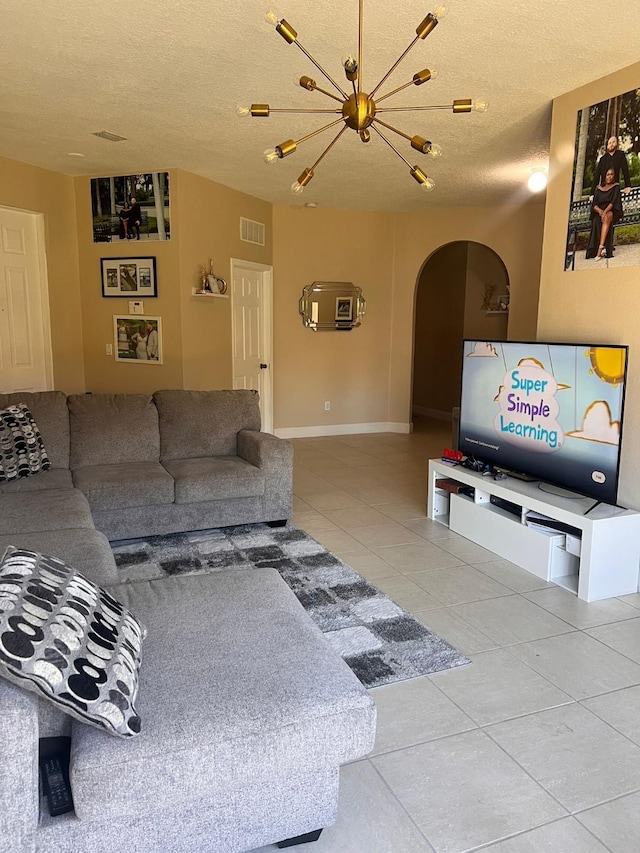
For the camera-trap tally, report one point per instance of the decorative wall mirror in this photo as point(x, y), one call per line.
point(331, 306)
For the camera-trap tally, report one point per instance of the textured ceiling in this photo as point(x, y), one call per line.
point(168, 74)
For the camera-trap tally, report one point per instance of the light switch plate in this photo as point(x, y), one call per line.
point(136, 307)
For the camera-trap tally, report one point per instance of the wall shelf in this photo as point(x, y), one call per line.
point(497, 311)
point(194, 292)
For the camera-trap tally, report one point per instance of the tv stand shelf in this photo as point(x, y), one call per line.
point(598, 557)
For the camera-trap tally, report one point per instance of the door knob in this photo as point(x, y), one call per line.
point(263, 366)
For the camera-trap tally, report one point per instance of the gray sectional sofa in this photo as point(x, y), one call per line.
point(247, 713)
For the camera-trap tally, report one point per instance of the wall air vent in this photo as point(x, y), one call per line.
point(112, 137)
point(252, 231)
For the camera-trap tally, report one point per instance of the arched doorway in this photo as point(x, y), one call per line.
point(461, 292)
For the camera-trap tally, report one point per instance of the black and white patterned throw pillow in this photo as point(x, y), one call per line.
point(22, 452)
point(69, 641)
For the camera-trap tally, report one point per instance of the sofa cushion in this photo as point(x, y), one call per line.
point(204, 423)
point(49, 409)
point(237, 683)
point(214, 478)
point(111, 429)
point(121, 486)
point(50, 509)
point(22, 451)
point(55, 478)
point(69, 641)
point(86, 550)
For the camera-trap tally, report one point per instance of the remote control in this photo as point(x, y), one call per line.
point(56, 787)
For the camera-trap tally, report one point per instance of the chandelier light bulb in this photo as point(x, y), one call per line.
point(270, 156)
point(434, 151)
point(428, 185)
point(480, 105)
point(350, 63)
point(271, 18)
point(537, 180)
point(297, 188)
point(243, 112)
point(439, 12)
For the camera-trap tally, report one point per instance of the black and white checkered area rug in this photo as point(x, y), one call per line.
point(380, 641)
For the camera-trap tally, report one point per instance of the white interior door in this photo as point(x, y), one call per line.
point(25, 342)
point(252, 333)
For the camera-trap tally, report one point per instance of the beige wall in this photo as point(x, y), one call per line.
point(210, 228)
point(349, 369)
point(103, 373)
point(437, 358)
point(484, 267)
point(50, 193)
point(514, 233)
point(205, 223)
point(598, 305)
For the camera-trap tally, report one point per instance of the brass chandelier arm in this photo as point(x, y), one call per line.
point(300, 112)
point(328, 148)
point(394, 129)
point(395, 65)
point(319, 130)
point(390, 144)
point(413, 109)
point(321, 69)
point(417, 80)
point(316, 88)
point(394, 91)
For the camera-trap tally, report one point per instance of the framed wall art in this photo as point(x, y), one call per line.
point(129, 277)
point(131, 207)
point(137, 338)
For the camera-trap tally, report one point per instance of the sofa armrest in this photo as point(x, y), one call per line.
point(19, 792)
point(274, 457)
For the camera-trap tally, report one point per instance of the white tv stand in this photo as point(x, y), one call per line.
point(600, 561)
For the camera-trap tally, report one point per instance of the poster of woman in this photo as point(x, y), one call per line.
point(604, 212)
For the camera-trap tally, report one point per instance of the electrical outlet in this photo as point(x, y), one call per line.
point(109, 349)
point(327, 406)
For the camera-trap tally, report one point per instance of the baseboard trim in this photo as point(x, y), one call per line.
point(432, 413)
point(340, 429)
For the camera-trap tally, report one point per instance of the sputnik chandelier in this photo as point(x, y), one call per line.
point(359, 111)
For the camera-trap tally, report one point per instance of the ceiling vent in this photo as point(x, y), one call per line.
point(112, 137)
point(252, 231)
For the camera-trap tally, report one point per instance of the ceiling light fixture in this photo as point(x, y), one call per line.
point(537, 180)
point(358, 110)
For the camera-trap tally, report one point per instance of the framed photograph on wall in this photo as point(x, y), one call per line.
point(129, 277)
point(344, 308)
point(137, 339)
point(131, 207)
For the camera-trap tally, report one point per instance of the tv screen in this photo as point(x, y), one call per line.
point(553, 411)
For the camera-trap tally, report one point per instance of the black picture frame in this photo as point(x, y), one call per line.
point(129, 277)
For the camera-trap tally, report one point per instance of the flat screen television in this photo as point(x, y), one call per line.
point(553, 411)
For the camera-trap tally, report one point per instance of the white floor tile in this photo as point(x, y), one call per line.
point(574, 755)
point(562, 836)
point(459, 585)
point(616, 824)
point(412, 712)
point(497, 686)
point(579, 665)
point(511, 619)
point(464, 791)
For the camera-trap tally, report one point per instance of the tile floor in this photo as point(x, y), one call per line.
point(535, 747)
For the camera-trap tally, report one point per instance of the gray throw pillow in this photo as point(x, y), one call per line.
point(69, 641)
point(22, 452)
